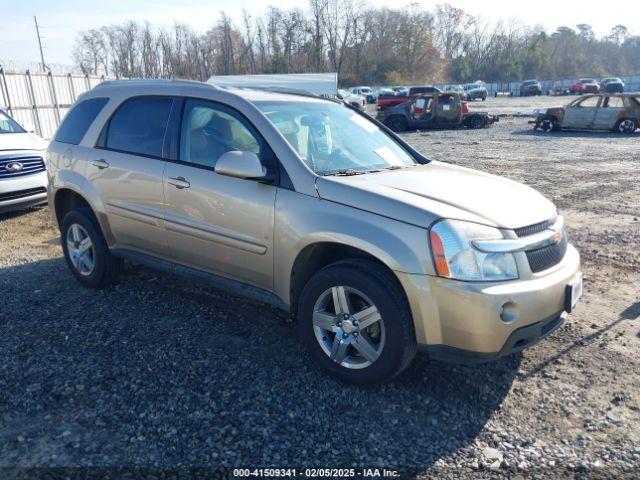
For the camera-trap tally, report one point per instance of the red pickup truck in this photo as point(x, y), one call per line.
point(385, 101)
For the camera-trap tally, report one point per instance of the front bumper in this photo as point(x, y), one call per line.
point(457, 320)
point(23, 191)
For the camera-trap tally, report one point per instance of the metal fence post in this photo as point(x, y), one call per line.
point(5, 87)
point(34, 106)
point(54, 97)
point(71, 89)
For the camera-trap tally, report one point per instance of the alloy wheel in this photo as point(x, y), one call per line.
point(80, 249)
point(348, 327)
point(546, 125)
point(627, 126)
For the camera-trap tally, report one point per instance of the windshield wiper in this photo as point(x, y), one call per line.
point(346, 172)
point(352, 171)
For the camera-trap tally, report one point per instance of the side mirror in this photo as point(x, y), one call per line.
point(29, 127)
point(241, 164)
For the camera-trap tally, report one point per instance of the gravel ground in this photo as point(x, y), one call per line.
point(160, 373)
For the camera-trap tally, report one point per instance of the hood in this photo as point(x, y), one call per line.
point(21, 141)
point(422, 194)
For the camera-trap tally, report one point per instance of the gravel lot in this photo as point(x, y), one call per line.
point(160, 373)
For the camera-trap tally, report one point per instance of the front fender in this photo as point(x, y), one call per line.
point(302, 221)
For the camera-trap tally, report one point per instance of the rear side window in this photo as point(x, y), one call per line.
point(139, 125)
point(78, 120)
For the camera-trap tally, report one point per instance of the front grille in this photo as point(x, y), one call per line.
point(533, 229)
point(546, 257)
point(21, 193)
point(30, 165)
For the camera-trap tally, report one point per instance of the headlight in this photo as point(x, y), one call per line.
point(455, 257)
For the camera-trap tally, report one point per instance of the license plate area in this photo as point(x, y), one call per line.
point(573, 292)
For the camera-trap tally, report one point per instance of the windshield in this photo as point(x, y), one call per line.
point(333, 139)
point(9, 125)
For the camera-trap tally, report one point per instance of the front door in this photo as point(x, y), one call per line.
point(127, 172)
point(216, 223)
point(581, 114)
point(422, 111)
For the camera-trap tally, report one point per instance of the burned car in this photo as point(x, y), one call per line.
point(618, 112)
point(435, 110)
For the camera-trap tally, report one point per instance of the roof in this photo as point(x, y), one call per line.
point(252, 94)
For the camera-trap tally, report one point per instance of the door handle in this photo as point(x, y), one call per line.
point(179, 182)
point(101, 163)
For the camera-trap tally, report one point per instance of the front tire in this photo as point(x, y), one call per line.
point(549, 125)
point(86, 250)
point(355, 322)
point(397, 123)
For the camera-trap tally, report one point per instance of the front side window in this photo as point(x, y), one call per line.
point(589, 102)
point(331, 138)
point(78, 120)
point(209, 130)
point(139, 125)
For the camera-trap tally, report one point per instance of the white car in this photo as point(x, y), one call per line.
point(476, 90)
point(366, 92)
point(357, 101)
point(23, 175)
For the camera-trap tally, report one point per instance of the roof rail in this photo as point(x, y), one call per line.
point(152, 81)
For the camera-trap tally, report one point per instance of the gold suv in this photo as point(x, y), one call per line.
point(315, 207)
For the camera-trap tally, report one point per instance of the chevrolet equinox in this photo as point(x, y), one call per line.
point(312, 206)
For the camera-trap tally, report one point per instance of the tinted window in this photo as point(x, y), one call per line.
point(138, 126)
point(78, 120)
point(209, 130)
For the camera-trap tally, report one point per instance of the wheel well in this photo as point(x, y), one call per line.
point(317, 256)
point(67, 200)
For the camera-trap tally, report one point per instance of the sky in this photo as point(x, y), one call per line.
point(61, 20)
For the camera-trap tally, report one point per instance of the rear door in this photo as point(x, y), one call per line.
point(611, 109)
point(217, 223)
point(448, 110)
point(126, 169)
point(581, 114)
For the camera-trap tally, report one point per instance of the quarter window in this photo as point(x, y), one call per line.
point(209, 130)
point(78, 120)
point(139, 126)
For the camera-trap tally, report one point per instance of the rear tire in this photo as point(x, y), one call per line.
point(476, 122)
point(372, 298)
point(86, 250)
point(626, 126)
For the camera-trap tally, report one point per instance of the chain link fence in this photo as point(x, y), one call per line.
point(40, 100)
